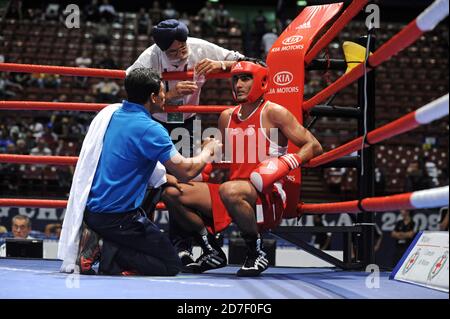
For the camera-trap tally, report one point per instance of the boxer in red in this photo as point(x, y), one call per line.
point(255, 136)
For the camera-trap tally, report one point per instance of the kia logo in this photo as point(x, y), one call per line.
point(292, 40)
point(283, 78)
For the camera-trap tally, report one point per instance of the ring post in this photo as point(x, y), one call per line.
point(366, 178)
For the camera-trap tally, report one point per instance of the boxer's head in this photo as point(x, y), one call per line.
point(144, 86)
point(171, 36)
point(249, 81)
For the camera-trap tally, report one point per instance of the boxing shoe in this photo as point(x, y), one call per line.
point(213, 257)
point(186, 258)
point(89, 251)
point(255, 262)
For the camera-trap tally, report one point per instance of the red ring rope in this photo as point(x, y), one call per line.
point(373, 204)
point(95, 107)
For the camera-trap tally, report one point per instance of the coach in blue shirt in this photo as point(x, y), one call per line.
point(132, 145)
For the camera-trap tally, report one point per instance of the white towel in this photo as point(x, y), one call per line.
point(81, 186)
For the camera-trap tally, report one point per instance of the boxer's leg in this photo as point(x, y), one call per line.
point(192, 209)
point(180, 238)
point(240, 199)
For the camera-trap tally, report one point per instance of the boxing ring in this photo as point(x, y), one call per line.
point(276, 282)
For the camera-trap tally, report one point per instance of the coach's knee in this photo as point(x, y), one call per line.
point(173, 269)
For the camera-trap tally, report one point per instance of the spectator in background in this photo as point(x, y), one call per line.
point(42, 80)
point(84, 60)
point(106, 61)
point(21, 229)
point(49, 137)
point(52, 81)
point(41, 149)
point(53, 231)
point(20, 78)
point(443, 219)
point(267, 40)
point(30, 141)
point(155, 13)
point(21, 147)
point(432, 171)
point(208, 17)
point(11, 148)
point(169, 12)
point(5, 140)
point(102, 32)
point(6, 85)
point(417, 177)
point(3, 230)
point(2, 57)
point(36, 128)
point(107, 11)
point(403, 233)
point(106, 91)
point(143, 23)
point(222, 17)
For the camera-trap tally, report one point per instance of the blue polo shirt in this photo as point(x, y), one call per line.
point(132, 145)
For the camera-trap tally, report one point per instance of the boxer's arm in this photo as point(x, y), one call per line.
point(284, 120)
point(273, 169)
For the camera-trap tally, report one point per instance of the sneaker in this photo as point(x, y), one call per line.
point(207, 261)
point(255, 262)
point(213, 257)
point(89, 251)
point(186, 258)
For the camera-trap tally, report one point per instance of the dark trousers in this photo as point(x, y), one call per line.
point(181, 239)
point(132, 242)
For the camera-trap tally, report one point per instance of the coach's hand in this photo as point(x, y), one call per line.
point(173, 181)
point(182, 88)
point(213, 147)
point(207, 66)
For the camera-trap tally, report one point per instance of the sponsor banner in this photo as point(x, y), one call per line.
point(425, 263)
point(424, 220)
point(41, 217)
point(287, 75)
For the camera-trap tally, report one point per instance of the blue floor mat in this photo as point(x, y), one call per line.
point(41, 279)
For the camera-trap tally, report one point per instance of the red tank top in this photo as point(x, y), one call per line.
point(247, 143)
